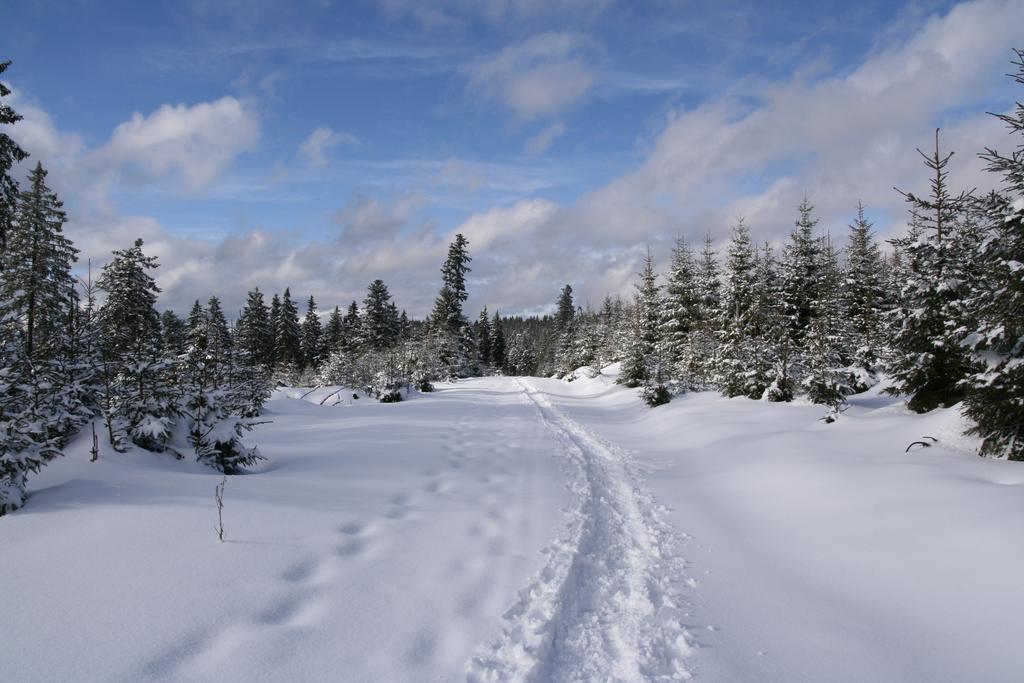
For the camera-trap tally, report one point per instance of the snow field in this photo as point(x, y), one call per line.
point(508, 529)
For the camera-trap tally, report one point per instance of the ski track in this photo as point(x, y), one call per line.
point(605, 606)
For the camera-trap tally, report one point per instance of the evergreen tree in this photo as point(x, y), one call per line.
point(275, 321)
point(352, 324)
point(288, 345)
point(312, 332)
point(25, 443)
point(995, 398)
point(254, 332)
point(825, 379)
point(801, 259)
point(449, 325)
point(770, 369)
point(736, 348)
point(10, 154)
point(483, 336)
point(333, 332)
point(863, 299)
point(642, 360)
point(37, 284)
point(141, 405)
point(928, 363)
point(680, 313)
point(218, 335)
point(566, 359)
point(703, 347)
point(174, 335)
point(497, 342)
point(380, 322)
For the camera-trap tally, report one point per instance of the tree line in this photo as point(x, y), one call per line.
point(941, 313)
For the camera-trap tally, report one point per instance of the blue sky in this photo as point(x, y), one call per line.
point(321, 144)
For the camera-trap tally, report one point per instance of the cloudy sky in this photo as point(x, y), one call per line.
point(319, 145)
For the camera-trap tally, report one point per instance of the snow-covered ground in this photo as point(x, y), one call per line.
point(528, 529)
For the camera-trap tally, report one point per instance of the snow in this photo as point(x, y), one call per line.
point(512, 529)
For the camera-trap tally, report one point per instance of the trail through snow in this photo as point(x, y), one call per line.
point(604, 607)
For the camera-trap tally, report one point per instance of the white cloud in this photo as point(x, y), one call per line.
point(539, 77)
point(315, 147)
point(542, 140)
point(191, 145)
point(367, 218)
point(840, 139)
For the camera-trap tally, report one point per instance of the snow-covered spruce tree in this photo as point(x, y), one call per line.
point(521, 359)
point(254, 335)
point(609, 321)
point(703, 347)
point(735, 345)
point(768, 372)
point(801, 259)
point(10, 154)
point(141, 405)
point(498, 345)
point(447, 321)
point(928, 362)
point(863, 302)
point(679, 315)
point(287, 337)
point(352, 328)
point(565, 349)
point(220, 344)
point(380, 321)
point(37, 282)
point(25, 442)
point(274, 319)
point(173, 334)
point(825, 376)
point(642, 364)
point(311, 343)
point(334, 332)
point(214, 428)
point(995, 397)
point(483, 339)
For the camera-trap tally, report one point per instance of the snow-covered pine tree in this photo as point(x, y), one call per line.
point(142, 406)
point(173, 334)
point(274, 319)
point(995, 398)
point(521, 358)
point(333, 332)
point(213, 417)
point(254, 334)
point(219, 342)
point(703, 347)
point(352, 328)
point(735, 346)
point(769, 369)
point(380, 320)
point(643, 365)
point(25, 442)
point(498, 349)
point(863, 302)
point(928, 362)
point(10, 154)
point(447, 319)
point(679, 315)
point(288, 335)
point(825, 377)
point(483, 339)
point(801, 259)
point(37, 283)
point(311, 336)
point(565, 357)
